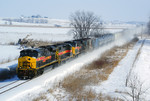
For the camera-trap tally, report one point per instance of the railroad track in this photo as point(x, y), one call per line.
point(17, 83)
point(8, 84)
point(12, 85)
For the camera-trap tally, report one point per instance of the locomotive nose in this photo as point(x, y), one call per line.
point(25, 63)
point(26, 67)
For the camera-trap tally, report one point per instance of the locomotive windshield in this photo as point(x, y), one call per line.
point(29, 52)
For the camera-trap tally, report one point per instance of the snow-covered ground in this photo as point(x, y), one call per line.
point(8, 53)
point(117, 79)
point(41, 84)
point(13, 34)
point(142, 68)
point(8, 60)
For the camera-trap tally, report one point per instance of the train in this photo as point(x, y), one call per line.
point(33, 62)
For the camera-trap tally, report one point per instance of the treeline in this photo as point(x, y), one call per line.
point(27, 20)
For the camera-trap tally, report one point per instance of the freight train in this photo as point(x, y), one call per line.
point(32, 62)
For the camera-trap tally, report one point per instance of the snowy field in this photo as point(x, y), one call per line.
point(8, 53)
point(28, 91)
point(13, 34)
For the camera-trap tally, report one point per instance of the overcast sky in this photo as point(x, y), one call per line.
point(108, 10)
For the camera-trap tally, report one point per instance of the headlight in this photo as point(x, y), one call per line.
point(20, 67)
point(29, 67)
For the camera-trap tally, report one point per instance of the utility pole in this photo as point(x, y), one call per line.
point(141, 31)
point(148, 27)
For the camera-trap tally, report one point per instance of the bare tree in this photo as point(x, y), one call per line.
point(25, 41)
point(84, 24)
point(135, 88)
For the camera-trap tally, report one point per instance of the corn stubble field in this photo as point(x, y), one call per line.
point(73, 86)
